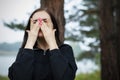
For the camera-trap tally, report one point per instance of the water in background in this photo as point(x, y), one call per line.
point(5, 63)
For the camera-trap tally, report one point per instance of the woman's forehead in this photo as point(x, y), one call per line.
point(41, 14)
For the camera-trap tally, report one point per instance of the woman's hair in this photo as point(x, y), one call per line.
point(55, 26)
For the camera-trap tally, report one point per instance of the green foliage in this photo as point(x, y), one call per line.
point(88, 27)
point(15, 26)
point(95, 57)
point(3, 78)
point(87, 55)
point(89, 76)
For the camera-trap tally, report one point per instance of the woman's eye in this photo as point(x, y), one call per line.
point(34, 21)
point(45, 20)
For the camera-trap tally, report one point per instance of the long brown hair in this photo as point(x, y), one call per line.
point(55, 26)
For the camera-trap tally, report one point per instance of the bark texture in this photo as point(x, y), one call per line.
point(57, 9)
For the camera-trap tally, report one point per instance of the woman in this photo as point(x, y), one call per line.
point(41, 56)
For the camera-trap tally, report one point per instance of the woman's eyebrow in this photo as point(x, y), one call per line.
point(44, 19)
point(35, 20)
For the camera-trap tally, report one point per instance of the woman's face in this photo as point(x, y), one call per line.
point(45, 17)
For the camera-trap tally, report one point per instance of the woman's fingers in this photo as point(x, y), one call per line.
point(27, 31)
point(44, 24)
point(31, 23)
point(54, 30)
point(49, 23)
point(44, 28)
point(35, 25)
point(40, 21)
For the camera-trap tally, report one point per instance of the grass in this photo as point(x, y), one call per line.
point(89, 76)
point(3, 78)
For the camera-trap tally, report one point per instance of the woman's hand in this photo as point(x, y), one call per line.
point(32, 34)
point(49, 34)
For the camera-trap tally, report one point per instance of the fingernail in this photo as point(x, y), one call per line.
point(40, 21)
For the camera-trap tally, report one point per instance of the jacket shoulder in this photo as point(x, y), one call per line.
point(65, 46)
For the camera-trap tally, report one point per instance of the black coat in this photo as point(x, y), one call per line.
point(36, 64)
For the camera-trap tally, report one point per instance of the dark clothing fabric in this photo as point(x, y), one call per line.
point(37, 64)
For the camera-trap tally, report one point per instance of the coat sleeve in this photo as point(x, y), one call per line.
point(22, 68)
point(63, 63)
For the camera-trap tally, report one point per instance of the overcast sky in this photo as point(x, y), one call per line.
point(14, 9)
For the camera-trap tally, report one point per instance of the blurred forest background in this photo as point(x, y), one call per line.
point(91, 29)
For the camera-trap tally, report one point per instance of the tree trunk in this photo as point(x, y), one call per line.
point(57, 9)
point(117, 9)
point(109, 42)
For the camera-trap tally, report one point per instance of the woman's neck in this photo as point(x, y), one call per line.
point(42, 44)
